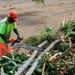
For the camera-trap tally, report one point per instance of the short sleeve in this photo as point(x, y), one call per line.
point(15, 25)
point(2, 28)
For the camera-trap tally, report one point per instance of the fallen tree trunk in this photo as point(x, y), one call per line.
point(27, 63)
point(33, 67)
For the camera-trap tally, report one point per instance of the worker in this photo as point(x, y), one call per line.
point(7, 25)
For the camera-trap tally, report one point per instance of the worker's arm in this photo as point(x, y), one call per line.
point(16, 31)
point(18, 35)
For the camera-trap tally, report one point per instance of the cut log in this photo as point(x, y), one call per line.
point(27, 63)
point(33, 67)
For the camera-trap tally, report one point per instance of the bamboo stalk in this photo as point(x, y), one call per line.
point(27, 63)
point(33, 67)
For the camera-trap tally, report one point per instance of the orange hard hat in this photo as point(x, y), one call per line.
point(13, 14)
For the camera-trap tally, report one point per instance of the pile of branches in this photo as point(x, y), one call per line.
point(57, 59)
point(60, 60)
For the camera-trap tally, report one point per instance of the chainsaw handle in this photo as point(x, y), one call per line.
point(17, 40)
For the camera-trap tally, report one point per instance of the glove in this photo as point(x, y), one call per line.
point(19, 38)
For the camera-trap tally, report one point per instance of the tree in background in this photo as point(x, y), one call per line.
point(39, 1)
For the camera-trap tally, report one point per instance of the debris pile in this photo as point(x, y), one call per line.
point(57, 57)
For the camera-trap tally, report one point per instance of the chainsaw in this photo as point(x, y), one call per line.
point(17, 43)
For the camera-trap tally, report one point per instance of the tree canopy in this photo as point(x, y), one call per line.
point(39, 1)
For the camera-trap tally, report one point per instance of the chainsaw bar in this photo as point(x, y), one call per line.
point(18, 44)
point(22, 45)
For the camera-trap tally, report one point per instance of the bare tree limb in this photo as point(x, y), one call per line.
point(43, 68)
point(31, 70)
point(67, 63)
point(27, 63)
point(54, 56)
point(63, 54)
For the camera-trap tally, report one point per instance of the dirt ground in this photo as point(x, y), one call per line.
point(33, 17)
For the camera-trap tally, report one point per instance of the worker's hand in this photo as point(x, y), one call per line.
point(19, 38)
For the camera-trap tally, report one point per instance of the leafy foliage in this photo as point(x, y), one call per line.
point(32, 40)
point(10, 63)
point(69, 28)
point(39, 1)
point(49, 69)
point(46, 34)
point(62, 46)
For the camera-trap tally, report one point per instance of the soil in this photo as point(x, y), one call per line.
point(33, 17)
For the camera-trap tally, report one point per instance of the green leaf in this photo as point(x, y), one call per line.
point(2, 71)
point(48, 29)
point(73, 69)
point(51, 65)
point(47, 73)
point(39, 70)
point(5, 57)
